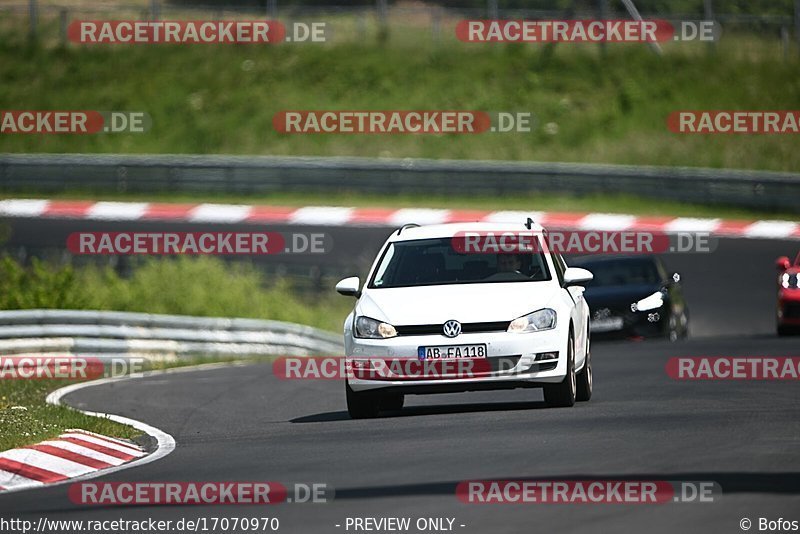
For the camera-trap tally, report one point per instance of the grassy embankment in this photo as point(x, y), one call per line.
point(204, 286)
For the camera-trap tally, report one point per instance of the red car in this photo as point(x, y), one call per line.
point(788, 295)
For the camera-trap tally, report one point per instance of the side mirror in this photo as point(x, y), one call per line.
point(575, 276)
point(676, 277)
point(782, 264)
point(349, 287)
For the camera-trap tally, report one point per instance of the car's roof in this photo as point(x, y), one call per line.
point(451, 229)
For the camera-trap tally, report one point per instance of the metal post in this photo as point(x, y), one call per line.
point(797, 21)
point(602, 14)
point(629, 5)
point(33, 14)
point(491, 9)
point(382, 9)
point(154, 10)
point(708, 9)
point(785, 42)
point(436, 24)
point(62, 16)
point(602, 9)
point(272, 9)
point(708, 14)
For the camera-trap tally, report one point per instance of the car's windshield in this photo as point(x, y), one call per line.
point(622, 272)
point(435, 262)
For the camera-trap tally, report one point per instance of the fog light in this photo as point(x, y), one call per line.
point(542, 356)
point(653, 317)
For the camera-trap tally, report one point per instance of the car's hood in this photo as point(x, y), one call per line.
point(466, 303)
point(612, 296)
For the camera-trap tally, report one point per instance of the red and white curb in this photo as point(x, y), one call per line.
point(77, 454)
point(389, 217)
point(73, 454)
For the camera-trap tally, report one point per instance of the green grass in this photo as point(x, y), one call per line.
point(597, 203)
point(221, 99)
point(25, 418)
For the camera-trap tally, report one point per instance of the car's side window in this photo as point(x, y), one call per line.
point(563, 262)
point(379, 274)
point(558, 265)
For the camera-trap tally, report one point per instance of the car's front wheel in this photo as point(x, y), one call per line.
point(784, 330)
point(392, 402)
point(584, 390)
point(563, 394)
point(362, 404)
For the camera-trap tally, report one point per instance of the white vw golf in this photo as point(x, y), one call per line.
point(434, 317)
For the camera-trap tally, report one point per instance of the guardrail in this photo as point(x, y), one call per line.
point(164, 174)
point(110, 334)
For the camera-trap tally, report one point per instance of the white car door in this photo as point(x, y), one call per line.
point(579, 312)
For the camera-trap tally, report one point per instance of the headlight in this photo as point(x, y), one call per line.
point(371, 329)
point(789, 281)
point(544, 319)
point(656, 300)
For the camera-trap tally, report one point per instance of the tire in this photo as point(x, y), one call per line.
point(583, 389)
point(685, 323)
point(672, 335)
point(684, 333)
point(672, 329)
point(563, 395)
point(784, 330)
point(392, 402)
point(362, 404)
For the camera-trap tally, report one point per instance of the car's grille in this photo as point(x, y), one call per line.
point(466, 328)
point(791, 310)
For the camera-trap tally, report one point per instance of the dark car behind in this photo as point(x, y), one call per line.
point(634, 297)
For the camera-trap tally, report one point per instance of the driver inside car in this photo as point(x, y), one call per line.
point(509, 263)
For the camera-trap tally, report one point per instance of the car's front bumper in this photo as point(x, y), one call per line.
point(511, 362)
point(646, 324)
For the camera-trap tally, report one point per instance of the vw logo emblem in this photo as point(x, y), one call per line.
point(451, 328)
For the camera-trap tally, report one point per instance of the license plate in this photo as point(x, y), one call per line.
point(451, 352)
point(606, 325)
